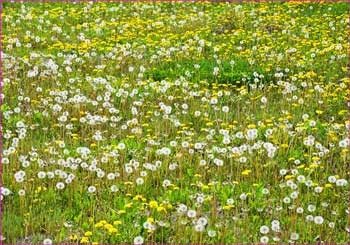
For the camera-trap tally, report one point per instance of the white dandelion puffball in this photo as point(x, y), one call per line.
point(60, 185)
point(191, 213)
point(91, 189)
point(318, 220)
point(138, 240)
point(47, 241)
point(264, 229)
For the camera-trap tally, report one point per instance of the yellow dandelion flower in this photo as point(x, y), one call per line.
point(73, 237)
point(108, 226)
point(128, 205)
point(117, 222)
point(328, 185)
point(112, 230)
point(315, 158)
point(153, 204)
point(246, 172)
point(160, 209)
point(287, 177)
point(251, 126)
point(98, 225)
point(84, 239)
point(228, 207)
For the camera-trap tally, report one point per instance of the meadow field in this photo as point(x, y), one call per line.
point(149, 123)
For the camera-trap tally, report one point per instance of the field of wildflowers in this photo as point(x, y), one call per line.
point(148, 122)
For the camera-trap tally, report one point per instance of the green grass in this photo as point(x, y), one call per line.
point(134, 84)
